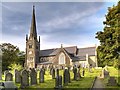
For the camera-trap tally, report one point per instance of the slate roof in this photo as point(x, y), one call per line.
point(89, 50)
point(81, 52)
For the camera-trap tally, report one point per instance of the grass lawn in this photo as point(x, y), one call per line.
point(84, 82)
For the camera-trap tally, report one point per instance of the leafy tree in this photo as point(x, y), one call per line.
point(110, 38)
point(9, 55)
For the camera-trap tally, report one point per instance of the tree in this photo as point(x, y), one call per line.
point(9, 55)
point(110, 38)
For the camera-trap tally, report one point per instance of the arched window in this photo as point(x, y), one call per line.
point(62, 58)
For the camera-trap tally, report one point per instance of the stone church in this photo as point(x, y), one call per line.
point(65, 56)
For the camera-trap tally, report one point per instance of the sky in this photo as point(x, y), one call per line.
point(67, 23)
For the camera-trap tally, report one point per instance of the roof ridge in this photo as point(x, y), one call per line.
point(87, 47)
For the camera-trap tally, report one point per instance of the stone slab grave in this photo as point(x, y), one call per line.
point(24, 78)
point(41, 76)
point(9, 85)
point(33, 77)
point(17, 76)
point(8, 77)
point(112, 81)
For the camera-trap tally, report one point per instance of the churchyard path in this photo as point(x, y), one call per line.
point(98, 84)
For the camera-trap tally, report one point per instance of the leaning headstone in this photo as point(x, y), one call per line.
point(24, 78)
point(65, 77)
point(17, 76)
point(9, 77)
point(53, 73)
point(58, 82)
point(112, 81)
point(41, 76)
point(33, 77)
point(69, 75)
point(75, 73)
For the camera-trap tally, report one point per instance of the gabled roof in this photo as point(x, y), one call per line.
point(71, 51)
point(52, 52)
point(89, 50)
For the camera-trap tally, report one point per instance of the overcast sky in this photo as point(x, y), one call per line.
point(70, 24)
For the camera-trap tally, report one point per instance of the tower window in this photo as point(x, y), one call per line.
point(30, 46)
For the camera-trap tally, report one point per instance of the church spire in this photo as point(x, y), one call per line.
point(33, 32)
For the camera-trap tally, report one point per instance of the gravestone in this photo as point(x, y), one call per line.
point(17, 76)
point(57, 72)
point(78, 74)
point(90, 68)
point(9, 77)
point(53, 73)
point(41, 76)
point(33, 76)
point(65, 77)
point(75, 73)
point(69, 75)
point(58, 82)
point(24, 78)
point(104, 73)
point(112, 81)
point(83, 71)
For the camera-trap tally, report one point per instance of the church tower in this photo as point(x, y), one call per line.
point(32, 45)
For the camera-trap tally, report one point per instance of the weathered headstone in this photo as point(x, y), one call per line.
point(41, 76)
point(112, 81)
point(53, 73)
point(24, 78)
point(65, 77)
point(17, 76)
point(78, 74)
point(90, 68)
point(75, 73)
point(58, 82)
point(9, 77)
point(33, 76)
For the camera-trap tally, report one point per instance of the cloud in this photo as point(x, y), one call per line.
point(67, 23)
